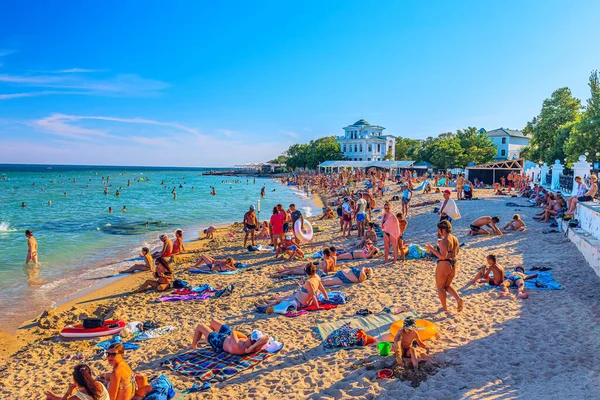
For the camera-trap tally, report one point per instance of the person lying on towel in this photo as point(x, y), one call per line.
point(302, 298)
point(207, 263)
point(222, 338)
point(348, 276)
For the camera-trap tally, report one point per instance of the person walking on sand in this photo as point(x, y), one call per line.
point(32, 248)
point(250, 224)
point(448, 209)
point(346, 217)
point(361, 216)
point(446, 252)
point(391, 232)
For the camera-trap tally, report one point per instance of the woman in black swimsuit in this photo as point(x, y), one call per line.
point(445, 271)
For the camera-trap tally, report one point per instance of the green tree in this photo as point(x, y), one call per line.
point(312, 154)
point(407, 149)
point(447, 153)
point(551, 128)
point(477, 146)
point(585, 135)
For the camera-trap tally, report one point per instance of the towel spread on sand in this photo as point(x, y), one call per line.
point(154, 333)
point(544, 281)
point(373, 325)
point(239, 266)
point(186, 297)
point(206, 365)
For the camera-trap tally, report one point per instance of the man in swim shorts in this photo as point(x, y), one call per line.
point(476, 227)
point(250, 224)
point(167, 249)
point(361, 216)
point(517, 279)
point(296, 215)
point(222, 338)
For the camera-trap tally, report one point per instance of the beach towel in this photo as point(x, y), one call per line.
point(544, 281)
point(346, 336)
point(201, 271)
point(126, 345)
point(373, 325)
point(334, 298)
point(451, 209)
point(206, 365)
point(186, 297)
point(154, 333)
point(415, 251)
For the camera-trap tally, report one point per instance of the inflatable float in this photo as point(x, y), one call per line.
point(110, 327)
point(305, 236)
point(426, 329)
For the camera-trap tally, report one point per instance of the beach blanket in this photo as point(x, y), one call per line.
point(206, 365)
point(186, 297)
point(154, 333)
point(334, 298)
point(373, 325)
point(239, 266)
point(544, 281)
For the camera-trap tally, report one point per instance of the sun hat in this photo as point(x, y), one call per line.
point(252, 206)
point(409, 323)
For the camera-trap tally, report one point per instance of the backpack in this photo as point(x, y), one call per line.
point(91, 323)
point(179, 284)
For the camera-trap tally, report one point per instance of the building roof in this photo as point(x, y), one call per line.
point(367, 164)
point(360, 122)
point(506, 131)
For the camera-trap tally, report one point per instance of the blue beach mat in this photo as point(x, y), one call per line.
point(544, 281)
point(239, 266)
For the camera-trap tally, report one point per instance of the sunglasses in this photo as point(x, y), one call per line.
point(108, 354)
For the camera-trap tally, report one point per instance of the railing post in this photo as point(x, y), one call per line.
point(581, 168)
point(557, 170)
point(543, 174)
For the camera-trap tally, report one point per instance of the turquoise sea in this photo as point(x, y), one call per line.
point(81, 243)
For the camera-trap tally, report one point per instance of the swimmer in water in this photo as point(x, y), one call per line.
point(23, 205)
point(124, 209)
point(109, 209)
point(49, 203)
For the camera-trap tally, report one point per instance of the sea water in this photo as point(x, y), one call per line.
point(81, 243)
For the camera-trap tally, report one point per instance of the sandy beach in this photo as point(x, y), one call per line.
point(546, 346)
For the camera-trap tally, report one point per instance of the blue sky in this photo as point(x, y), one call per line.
point(218, 83)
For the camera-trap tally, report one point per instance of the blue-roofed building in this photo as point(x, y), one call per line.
point(365, 142)
point(509, 143)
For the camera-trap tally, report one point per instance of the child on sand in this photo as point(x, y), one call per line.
point(403, 224)
point(516, 224)
point(493, 274)
point(406, 341)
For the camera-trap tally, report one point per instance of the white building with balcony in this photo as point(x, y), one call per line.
point(509, 143)
point(365, 142)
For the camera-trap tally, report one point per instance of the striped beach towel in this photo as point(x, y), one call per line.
point(206, 365)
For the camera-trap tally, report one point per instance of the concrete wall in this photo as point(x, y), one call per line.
point(587, 238)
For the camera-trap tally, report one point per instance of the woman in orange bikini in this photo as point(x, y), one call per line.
point(178, 246)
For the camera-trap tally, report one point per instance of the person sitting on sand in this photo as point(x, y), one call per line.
point(498, 190)
point(367, 252)
point(222, 338)
point(167, 249)
point(328, 214)
point(206, 263)
point(307, 294)
point(163, 276)
point(493, 274)
point(84, 387)
point(147, 266)
point(445, 271)
point(324, 266)
point(289, 247)
point(348, 276)
point(121, 382)
point(516, 279)
point(264, 231)
point(370, 234)
point(178, 246)
point(209, 232)
point(406, 342)
point(476, 227)
point(516, 224)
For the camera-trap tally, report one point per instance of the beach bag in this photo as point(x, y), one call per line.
point(179, 284)
point(91, 323)
point(573, 223)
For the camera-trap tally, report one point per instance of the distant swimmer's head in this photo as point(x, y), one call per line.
point(28, 233)
point(23, 204)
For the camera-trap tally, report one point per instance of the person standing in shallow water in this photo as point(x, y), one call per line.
point(445, 271)
point(32, 248)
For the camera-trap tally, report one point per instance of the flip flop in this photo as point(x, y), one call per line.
point(544, 269)
point(363, 312)
point(540, 285)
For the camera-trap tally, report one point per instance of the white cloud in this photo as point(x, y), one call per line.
point(67, 82)
point(8, 96)
point(75, 71)
point(6, 52)
point(289, 133)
